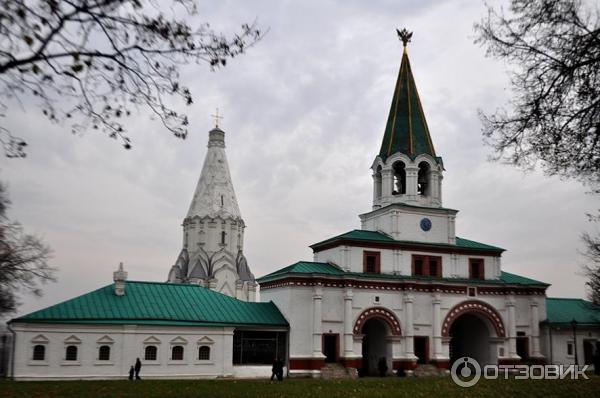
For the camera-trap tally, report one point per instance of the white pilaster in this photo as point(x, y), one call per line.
point(535, 329)
point(512, 328)
point(437, 327)
point(408, 325)
point(317, 319)
point(348, 324)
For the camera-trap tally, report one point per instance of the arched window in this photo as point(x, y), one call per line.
point(71, 353)
point(104, 353)
point(377, 182)
point(177, 353)
point(423, 179)
point(150, 353)
point(399, 170)
point(223, 234)
point(39, 352)
point(204, 353)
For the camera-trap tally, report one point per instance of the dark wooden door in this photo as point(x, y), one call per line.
point(421, 346)
point(331, 347)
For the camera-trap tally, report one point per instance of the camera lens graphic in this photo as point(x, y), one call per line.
point(465, 372)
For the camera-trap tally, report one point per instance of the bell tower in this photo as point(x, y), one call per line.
point(407, 172)
point(407, 169)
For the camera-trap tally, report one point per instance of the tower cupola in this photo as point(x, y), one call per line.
point(407, 169)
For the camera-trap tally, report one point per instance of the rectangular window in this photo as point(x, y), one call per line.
point(427, 266)
point(570, 348)
point(258, 347)
point(476, 268)
point(371, 262)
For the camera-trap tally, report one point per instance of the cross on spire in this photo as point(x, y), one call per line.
point(217, 118)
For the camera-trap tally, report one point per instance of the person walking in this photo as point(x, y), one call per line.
point(131, 372)
point(277, 370)
point(597, 359)
point(138, 367)
point(382, 367)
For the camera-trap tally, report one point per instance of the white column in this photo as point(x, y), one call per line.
point(387, 181)
point(411, 182)
point(408, 325)
point(317, 317)
point(535, 329)
point(437, 327)
point(512, 329)
point(348, 324)
point(377, 191)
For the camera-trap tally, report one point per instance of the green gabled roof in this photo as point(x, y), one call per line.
point(327, 269)
point(158, 303)
point(307, 267)
point(374, 236)
point(564, 310)
point(406, 130)
point(515, 279)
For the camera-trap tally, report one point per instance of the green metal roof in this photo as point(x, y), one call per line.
point(156, 303)
point(406, 130)
point(564, 310)
point(326, 269)
point(374, 236)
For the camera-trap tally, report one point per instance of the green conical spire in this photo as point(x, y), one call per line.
point(406, 129)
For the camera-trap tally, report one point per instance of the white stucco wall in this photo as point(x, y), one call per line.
point(128, 343)
point(556, 339)
point(350, 258)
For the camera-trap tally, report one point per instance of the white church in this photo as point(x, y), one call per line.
point(404, 289)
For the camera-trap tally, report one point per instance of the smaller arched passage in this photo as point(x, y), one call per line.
point(474, 329)
point(475, 307)
point(424, 179)
point(385, 315)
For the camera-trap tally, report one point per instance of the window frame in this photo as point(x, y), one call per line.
point(200, 350)
point(100, 349)
point(148, 346)
point(480, 262)
point(76, 358)
point(173, 348)
point(377, 256)
point(571, 346)
point(426, 265)
point(33, 352)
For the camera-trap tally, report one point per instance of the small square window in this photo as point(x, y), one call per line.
point(376, 299)
point(472, 292)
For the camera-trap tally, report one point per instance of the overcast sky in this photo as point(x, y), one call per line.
point(305, 111)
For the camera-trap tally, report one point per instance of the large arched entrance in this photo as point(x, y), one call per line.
point(469, 337)
point(377, 326)
point(375, 345)
point(474, 330)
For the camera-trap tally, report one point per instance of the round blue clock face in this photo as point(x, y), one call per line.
point(426, 224)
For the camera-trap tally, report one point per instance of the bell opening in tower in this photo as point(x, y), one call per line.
point(399, 187)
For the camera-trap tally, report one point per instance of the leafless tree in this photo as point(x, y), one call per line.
point(91, 63)
point(23, 260)
point(553, 118)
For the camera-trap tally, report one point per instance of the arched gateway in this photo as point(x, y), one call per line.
point(377, 327)
point(474, 328)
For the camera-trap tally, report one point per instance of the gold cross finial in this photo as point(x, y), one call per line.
point(405, 36)
point(217, 118)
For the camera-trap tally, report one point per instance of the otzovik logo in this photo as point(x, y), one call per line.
point(469, 373)
point(466, 372)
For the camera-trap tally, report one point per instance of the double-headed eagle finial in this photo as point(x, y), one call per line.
point(405, 36)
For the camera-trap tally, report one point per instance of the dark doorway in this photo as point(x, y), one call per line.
point(523, 347)
point(421, 347)
point(588, 352)
point(375, 346)
point(331, 347)
point(469, 337)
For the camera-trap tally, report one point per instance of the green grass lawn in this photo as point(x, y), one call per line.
point(371, 388)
